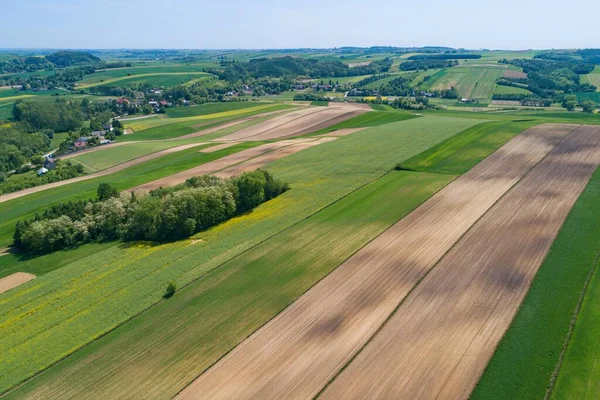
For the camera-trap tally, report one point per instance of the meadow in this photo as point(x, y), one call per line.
point(318, 176)
point(101, 76)
point(592, 78)
point(156, 79)
point(209, 108)
point(500, 89)
point(471, 82)
point(527, 356)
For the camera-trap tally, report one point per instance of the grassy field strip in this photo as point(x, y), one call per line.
point(298, 353)
point(526, 357)
point(104, 172)
point(441, 338)
point(592, 78)
point(209, 108)
point(318, 176)
point(166, 165)
point(220, 164)
point(462, 152)
point(97, 161)
point(122, 78)
point(500, 89)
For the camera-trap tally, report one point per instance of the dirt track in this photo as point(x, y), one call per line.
point(108, 171)
point(298, 122)
point(261, 161)
point(216, 165)
point(441, 338)
point(301, 350)
point(14, 280)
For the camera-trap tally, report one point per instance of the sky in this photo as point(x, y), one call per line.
point(262, 24)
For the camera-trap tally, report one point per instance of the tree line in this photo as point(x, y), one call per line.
point(163, 215)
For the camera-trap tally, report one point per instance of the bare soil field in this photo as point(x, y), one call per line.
point(298, 122)
point(441, 338)
point(108, 171)
point(14, 280)
point(514, 74)
point(303, 348)
point(260, 161)
point(216, 165)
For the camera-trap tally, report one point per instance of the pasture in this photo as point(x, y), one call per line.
point(500, 89)
point(592, 78)
point(156, 79)
point(473, 82)
point(209, 108)
point(316, 182)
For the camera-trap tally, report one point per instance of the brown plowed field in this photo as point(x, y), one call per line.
point(304, 347)
point(297, 122)
point(216, 165)
point(260, 161)
point(441, 338)
point(108, 171)
point(14, 280)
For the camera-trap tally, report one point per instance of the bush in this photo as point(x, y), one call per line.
point(171, 289)
point(106, 191)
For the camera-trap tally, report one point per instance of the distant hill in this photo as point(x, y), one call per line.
point(71, 58)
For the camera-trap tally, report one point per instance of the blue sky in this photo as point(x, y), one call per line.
point(197, 24)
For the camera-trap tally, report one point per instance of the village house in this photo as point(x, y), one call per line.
point(42, 171)
point(81, 143)
point(108, 127)
point(49, 163)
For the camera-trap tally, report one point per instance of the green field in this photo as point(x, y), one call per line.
point(109, 157)
point(210, 108)
point(592, 78)
point(500, 89)
point(102, 76)
point(373, 118)
point(156, 79)
point(527, 355)
point(318, 176)
point(594, 96)
point(384, 81)
point(462, 152)
point(471, 82)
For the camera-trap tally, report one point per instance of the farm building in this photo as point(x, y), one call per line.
point(81, 143)
point(42, 171)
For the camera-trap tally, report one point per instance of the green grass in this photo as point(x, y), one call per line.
point(594, 96)
point(209, 108)
point(592, 78)
point(109, 157)
point(382, 107)
point(462, 152)
point(471, 82)
point(373, 118)
point(319, 103)
point(25, 207)
point(527, 355)
point(500, 89)
point(95, 294)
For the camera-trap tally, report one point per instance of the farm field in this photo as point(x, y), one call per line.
point(467, 302)
point(375, 150)
point(299, 122)
point(594, 96)
point(499, 89)
point(209, 108)
point(157, 79)
point(473, 82)
point(592, 78)
point(303, 348)
point(525, 359)
point(109, 157)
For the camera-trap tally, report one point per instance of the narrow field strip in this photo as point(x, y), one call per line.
point(108, 171)
point(217, 165)
point(440, 339)
point(265, 159)
point(303, 348)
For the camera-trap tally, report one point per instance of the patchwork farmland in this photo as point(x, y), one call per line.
point(353, 236)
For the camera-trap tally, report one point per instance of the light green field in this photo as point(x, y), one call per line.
point(473, 82)
point(210, 108)
point(158, 79)
point(318, 176)
point(525, 359)
point(102, 159)
point(161, 121)
point(592, 78)
point(500, 89)
point(107, 74)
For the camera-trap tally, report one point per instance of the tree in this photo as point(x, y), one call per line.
point(588, 106)
point(95, 125)
point(106, 191)
point(171, 289)
point(569, 102)
point(250, 190)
